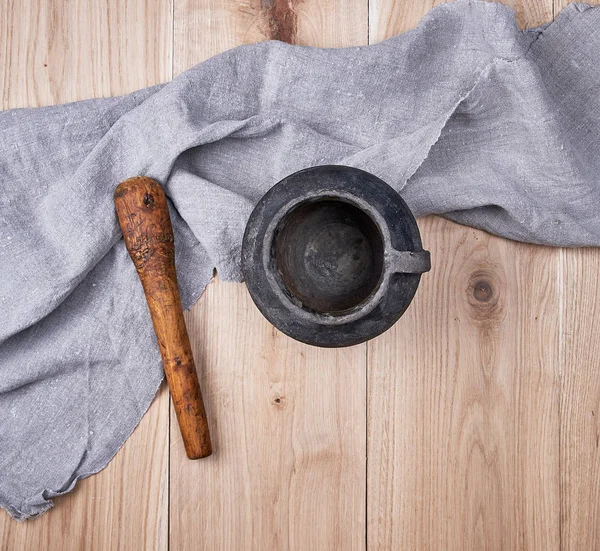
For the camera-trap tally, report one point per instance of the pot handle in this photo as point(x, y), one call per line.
point(409, 262)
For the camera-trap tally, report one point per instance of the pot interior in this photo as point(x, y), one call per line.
point(329, 254)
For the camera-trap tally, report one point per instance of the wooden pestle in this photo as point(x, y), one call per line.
point(144, 219)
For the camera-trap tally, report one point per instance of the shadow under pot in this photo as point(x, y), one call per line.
point(332, 256)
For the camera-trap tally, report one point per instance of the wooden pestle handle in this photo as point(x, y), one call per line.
point(144, 218)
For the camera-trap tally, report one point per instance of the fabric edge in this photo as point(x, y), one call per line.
point(48, 503)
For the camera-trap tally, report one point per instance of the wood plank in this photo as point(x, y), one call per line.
point(288, 421)
point(53, 52)
point(580, 394)
point(288, 428)
point(463, 402)
point(56, 52)
point(463, 392)
point(580, 400)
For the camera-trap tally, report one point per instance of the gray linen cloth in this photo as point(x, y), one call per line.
point(466, 117)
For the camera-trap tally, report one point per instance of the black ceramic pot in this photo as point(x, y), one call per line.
point(332, 256)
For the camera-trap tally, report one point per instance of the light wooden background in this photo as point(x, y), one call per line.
point(469, 425)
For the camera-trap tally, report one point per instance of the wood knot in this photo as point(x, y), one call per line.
point(177, 363)
point(484, 296)
point(281, 19)
point(149, 200)
point(483, 290)
point(277, 400)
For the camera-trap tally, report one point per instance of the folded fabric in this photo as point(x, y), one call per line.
point(466, 117)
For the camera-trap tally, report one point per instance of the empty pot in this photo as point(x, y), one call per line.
point(332, 256)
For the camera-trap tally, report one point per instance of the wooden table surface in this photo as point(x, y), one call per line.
point(470, 425)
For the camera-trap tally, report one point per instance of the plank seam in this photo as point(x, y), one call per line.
point(561, 314)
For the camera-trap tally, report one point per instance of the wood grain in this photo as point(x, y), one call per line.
point(288, 421)
point(463, 402)
point(53, 52)
point(288, 427)
point(463, 392)
point(483, 401)
point(60, 51)
point(580, 400)
point(204, 28)
point(580, 393)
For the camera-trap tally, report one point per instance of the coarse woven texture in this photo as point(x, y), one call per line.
point(466, 117)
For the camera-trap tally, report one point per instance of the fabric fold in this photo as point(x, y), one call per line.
point(466, 116)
